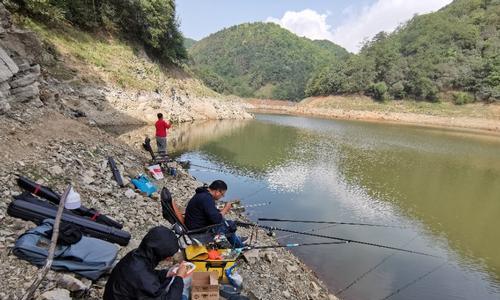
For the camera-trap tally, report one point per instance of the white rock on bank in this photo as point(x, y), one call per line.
point(70, 283)
point(55, 170)
point(57, 294)
point(130, 194)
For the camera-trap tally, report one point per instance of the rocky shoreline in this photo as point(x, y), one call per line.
point(54, 150)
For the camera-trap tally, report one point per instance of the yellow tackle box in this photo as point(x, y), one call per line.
point(198, 255)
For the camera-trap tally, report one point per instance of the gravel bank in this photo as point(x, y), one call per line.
point(53, 149)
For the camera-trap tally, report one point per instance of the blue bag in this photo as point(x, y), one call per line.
point(142, 183)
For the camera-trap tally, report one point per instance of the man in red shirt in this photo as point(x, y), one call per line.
point(161, 134)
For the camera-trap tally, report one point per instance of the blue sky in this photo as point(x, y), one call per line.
point(344, 22)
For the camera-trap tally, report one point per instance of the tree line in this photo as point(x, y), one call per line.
point(455, 50)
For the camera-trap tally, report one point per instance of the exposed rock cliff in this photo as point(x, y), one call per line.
point(19, 72)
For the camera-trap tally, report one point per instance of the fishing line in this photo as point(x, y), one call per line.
point(254, 193)
point(327, 222)
point(270, 228)
point(311, 230)
point(415, 280)
point(373, 268)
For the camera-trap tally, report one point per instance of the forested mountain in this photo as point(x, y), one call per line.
point(333, 48)
point(261, 60)
point(455, 51)
point(188, 43)
point(151, 22)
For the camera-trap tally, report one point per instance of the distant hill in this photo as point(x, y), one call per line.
point(188, 43)
point(261, 60)
point(333, 48)
point(453, 53)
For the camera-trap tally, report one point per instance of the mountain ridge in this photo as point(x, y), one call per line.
point(260, 60)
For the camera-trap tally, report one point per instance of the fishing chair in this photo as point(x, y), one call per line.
point(157, 157)
point(174, 216)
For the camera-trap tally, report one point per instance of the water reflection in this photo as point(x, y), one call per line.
point(181, 137)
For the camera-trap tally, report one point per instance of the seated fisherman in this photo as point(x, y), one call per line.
point(201, 211)
point(135, 277)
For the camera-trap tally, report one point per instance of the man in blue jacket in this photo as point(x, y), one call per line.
point(201, 211)
point(135, 277)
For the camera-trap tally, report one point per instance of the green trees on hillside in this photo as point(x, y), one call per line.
point(261, 60)
point(152, 22)
point(455, 49)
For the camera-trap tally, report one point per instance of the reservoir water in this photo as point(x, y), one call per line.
point(439, 188)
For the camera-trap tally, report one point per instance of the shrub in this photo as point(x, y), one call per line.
point(378, 91)
point(397, 90)
point(460, 98)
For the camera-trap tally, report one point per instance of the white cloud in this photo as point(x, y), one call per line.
point(383, 15)
point(306, 23)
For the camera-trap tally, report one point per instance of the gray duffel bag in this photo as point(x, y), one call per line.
point(90, 257)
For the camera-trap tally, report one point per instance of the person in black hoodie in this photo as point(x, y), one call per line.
point(201, 211)
point(135, 277)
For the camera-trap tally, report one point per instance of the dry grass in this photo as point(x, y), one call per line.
point(444, 109)
point(107, 59)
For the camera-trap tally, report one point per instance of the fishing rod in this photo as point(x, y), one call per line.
point(293, 245)
point(271, 228)
point(252, 205)
point(189, 164)
point(327, 222)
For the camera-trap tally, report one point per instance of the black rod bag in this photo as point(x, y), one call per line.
point(37, 210)
point(116, 172)
point(49, 194)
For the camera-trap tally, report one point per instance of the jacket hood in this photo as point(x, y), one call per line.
point(158, 244)
point(201, 189)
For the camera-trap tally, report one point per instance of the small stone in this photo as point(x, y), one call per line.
point(251, 256)
point(270, 256)
point(55, 170)
point(89, 173)
point(87, 282)
point(129, 193)
point(155, 196)
point(71, 283)
point(291, 269)
point(286, 294)
point(57, 294)
point(87, 180)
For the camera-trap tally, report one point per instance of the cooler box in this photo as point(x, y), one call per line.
point(198, 255)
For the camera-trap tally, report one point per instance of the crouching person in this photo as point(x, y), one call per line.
point(135, 277)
